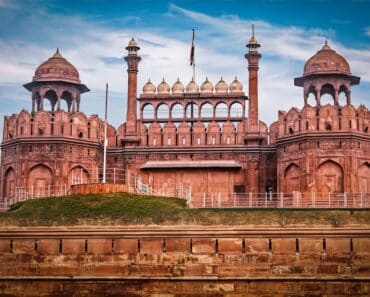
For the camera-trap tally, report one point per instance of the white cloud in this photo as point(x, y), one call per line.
point(220, 48)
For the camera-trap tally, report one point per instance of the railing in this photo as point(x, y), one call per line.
point(280, 200)
point(23, 194)
point(113, 175)
point(182, 191)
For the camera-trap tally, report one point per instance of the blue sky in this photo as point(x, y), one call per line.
point(93, 34)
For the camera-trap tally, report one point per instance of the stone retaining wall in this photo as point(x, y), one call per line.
point(185, 265)
point(98, 188)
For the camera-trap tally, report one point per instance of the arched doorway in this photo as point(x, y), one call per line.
point(330, 174)
point(40, 178)
point(364, 178)
point(293, 175)
point(9, 183)
point(78, 175)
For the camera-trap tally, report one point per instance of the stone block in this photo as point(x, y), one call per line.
point(361, 245)
point(230, 245)
point(310, 246)
point(284, 246)
point(73, 246)
point(337, 245)
point(4, 246)
point(256, 245)
point(151, 246)
point(49, 246)
point(23, 246)
point(177, 245)
point(204, 246)
point(218, 287)
point(99, 246)
point(125, 246)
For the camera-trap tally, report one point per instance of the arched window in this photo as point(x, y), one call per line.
point(66, 101)
point(206, 110)
point(51, 97)
point(236, 110)
point(327, 94)
point(148, 111)
point(162, 111)
point(221, 110)
point(192, 111)
point(177, 111)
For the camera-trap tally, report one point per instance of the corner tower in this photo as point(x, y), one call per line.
point(132, 59)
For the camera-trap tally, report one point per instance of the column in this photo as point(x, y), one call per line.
point(132, 60)
point(336, 96)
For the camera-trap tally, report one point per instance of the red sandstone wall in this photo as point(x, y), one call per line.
point(181, 263)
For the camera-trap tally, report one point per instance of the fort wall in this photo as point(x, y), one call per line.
point(186, 261)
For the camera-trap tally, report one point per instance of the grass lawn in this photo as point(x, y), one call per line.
point(127, 209)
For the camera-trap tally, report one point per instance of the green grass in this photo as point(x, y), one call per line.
point(126, 209)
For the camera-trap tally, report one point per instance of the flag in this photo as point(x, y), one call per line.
point(192, 51)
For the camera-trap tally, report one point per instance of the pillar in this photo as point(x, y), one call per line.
point(253, 57)
point(336, 96)
point(348, 96)
point(33, 104)
point(132, 60)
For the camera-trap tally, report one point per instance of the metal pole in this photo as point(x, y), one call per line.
point(105, 134)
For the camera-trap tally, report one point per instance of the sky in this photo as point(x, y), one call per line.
point(93, 35)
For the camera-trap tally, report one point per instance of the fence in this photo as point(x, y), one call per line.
point(182, 191)
point(113, 176)
point(23, 194)
point(280, 200)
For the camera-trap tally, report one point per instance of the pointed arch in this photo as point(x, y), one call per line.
point(293, 178)
point(40, 177)
point(9, 182)
point(330, 174)
point(78, 175)
point(364, 178)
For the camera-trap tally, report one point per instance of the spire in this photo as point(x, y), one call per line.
point(253, 44)
point(326, 46)
point(57, 54)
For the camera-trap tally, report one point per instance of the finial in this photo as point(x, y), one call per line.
point(178, 79)
point(326, 42)
point(149, 80)
point(253, 30)
point(163, 79)
point(57, 54)
point(236, 78)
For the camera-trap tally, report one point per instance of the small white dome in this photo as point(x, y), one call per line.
point(192, 87)
point(221, 86)
point(206, 87)
point(149, 88)
point(236, 86)
point(163, 88)
point(178, 87)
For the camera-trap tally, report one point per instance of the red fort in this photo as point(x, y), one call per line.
point(196, 137)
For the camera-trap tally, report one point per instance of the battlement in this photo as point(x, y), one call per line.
point(327, 118)
point(56, 124)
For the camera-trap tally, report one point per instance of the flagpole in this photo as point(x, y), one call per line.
point(105, 135)
point(192, 57)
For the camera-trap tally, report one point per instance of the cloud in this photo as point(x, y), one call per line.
point(97, 50)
